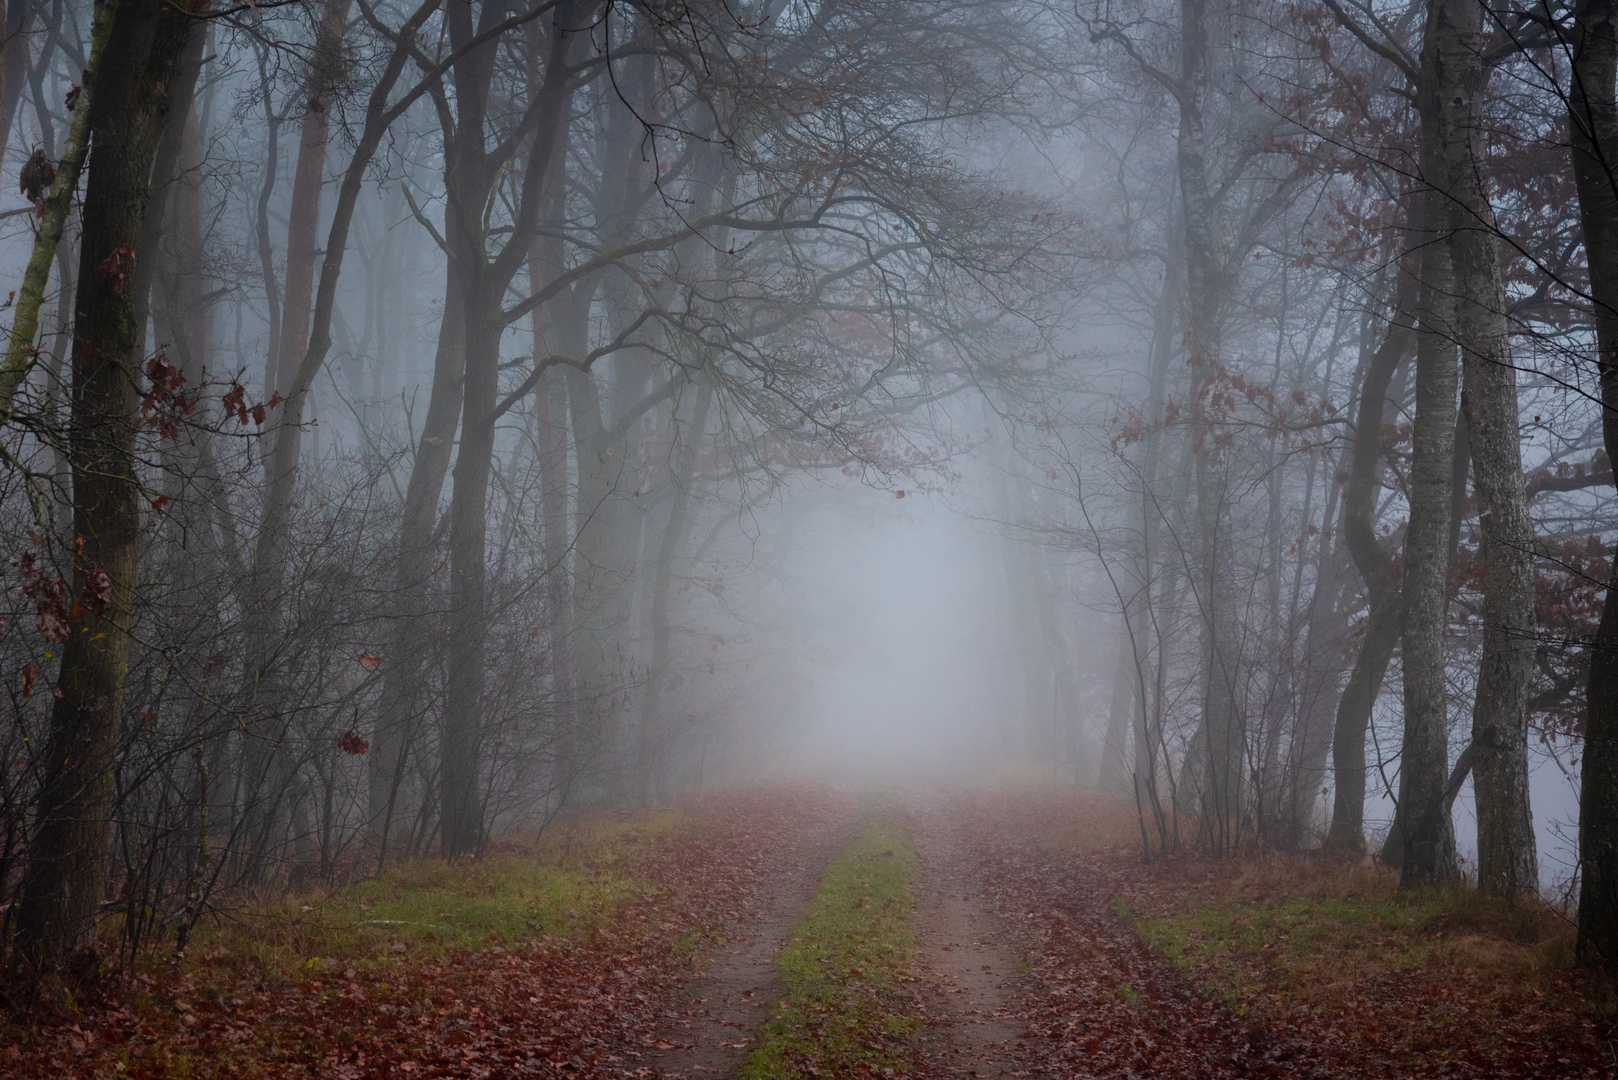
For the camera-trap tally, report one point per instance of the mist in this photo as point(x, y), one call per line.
point(426, 425)
point(905, 672)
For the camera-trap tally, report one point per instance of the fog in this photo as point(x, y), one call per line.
point(425, 423)
point(897, 611)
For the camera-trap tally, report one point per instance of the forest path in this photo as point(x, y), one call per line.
point(711, 1030)
point(1095, 1002)
point(972, 986)
point(1021, 967)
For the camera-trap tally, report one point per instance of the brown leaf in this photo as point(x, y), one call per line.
point(112, 272)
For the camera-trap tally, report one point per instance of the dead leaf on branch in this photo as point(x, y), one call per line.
point(48, 594)
point(234, 403)
point(112, 272)
point(351, 742)
point(96, 596)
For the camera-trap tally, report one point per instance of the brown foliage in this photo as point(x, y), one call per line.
point(552, 1005)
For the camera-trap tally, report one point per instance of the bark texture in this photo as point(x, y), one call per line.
point(54, 210)
point(1593, 124)
point(1426, 832)
point(1507, 862)
point(66, 875)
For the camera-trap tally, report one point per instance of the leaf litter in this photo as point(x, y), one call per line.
point(583, 1005)
point(1104, 991)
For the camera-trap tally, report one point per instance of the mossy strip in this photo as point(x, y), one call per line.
point(846, 1011)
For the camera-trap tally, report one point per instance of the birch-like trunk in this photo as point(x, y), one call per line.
point(1426, 834)
point(1508, 864)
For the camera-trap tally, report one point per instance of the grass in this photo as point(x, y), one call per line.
point(425, 906)
point(568, 886)
point(1277, 936)
point(1316, 927)
point(263, 953)
point(845, 1010)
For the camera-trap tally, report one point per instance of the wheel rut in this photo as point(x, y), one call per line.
point(969, 982)
point(972, 984)
point(710, 1031)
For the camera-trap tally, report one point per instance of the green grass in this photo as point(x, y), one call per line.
point(580, 879)
point(845, 1010)
point(1320, 938)
point(572, 885)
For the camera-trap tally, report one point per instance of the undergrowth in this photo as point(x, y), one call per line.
point(845, 1011)
point(569, 885)
point(1276, 936)
point(269, 955)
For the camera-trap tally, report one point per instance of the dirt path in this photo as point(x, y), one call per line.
point(972, 984)
point(1098, 1003)
point(708, 1035)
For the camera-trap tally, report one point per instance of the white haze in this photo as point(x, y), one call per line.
point(900, 608)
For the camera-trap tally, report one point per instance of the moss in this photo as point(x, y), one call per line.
point(845, 1010)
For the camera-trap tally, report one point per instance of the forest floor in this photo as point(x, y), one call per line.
point(792, 931)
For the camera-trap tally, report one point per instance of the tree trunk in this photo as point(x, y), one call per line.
point(1373, 561)
point(1593, 122)
point(560, 326)
point(14, 63)
point(466, 177)
point(1324, 660)
point(54, 210)
point(1282, 662)
point(174, 228)
point(261, 228)
point(272, 548)
point(303, 216)
point(652, 733)
point(1507, 862)
point(593, 514)
point(415, 556)
point(1221, 737)
point(486, 283)
point(66, 874)
point(1113, 776)
point(1426, 832)
point(1117, 774)
point(460, 781)
point(567, 332)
